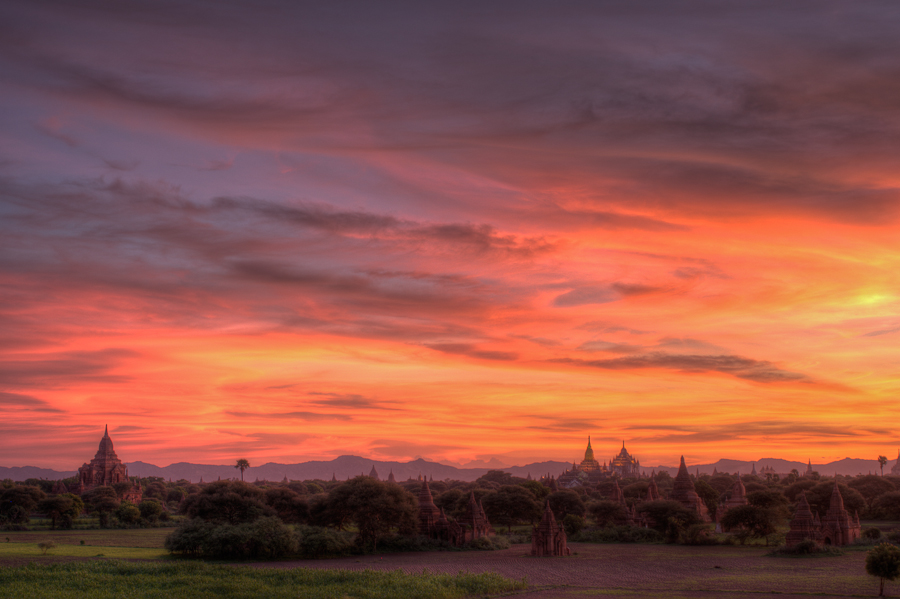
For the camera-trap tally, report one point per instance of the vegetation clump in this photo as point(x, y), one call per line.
point(197, 580)
point(883, 562)
point(806, 548)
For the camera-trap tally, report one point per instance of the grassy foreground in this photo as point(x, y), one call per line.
point(108, 579)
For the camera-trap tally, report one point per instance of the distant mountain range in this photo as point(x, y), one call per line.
point(348, 466)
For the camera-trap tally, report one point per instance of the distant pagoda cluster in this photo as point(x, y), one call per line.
point(590, 471)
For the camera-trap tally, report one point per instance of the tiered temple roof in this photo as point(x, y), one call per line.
point(625, 464)
point(838, 526)
point(549, 538)
point(105, 469)
point(803, 525)
point(428, 512)
point(684, 493)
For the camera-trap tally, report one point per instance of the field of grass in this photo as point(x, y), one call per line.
point(10, 551)
point(22, 546)
point(133, 537)
point(108, 579)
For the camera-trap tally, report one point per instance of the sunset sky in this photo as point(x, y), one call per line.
point(286, 231)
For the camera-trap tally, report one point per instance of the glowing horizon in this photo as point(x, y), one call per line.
point(297, 233)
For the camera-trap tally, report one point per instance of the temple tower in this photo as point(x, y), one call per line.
point(105, 469)
point(684, 493)
point(549, 538)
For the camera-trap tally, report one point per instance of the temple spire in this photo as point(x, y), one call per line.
point(106, 430)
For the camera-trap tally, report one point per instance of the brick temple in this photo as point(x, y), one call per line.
point(549, 538)
point(106, 469)
point(434, 524)
point(836, 527)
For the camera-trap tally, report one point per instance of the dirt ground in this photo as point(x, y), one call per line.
point(642, 571)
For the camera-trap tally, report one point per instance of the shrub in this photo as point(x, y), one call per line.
point(807, 548)
point(699, 534)
point(317, 541)
point(266, 538)
point(669, 517)
point(405, 543)
point(128, 513)
point(618, 534)
point(190, 537)
point(872, 533)
point(883, 562)
point(572, 524)
point(490, 543)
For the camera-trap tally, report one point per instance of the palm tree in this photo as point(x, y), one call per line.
point(242, 465)
point(882, 461)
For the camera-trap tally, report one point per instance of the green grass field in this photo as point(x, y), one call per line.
point(133, 537)
point(31, 550)
point(108, 579)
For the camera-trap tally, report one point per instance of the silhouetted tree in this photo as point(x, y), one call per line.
point(226, 501)
point(883, 561)
point(882, 460)
point(511, 504)
point(819, 497)
point(375, 507)
point(128, 513)
point(289, 506)
point(150, 510)
point(887, 506)
point(793, 491)
point(752, 521)
point(565, 502)
point(25, 497)
point(537, 489)
point(242, 465)
point(607, 513)
point(61, 509)
point(497, 476)
point(871, 487)
point(663, 515)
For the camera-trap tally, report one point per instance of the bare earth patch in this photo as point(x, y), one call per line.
point(639, 571)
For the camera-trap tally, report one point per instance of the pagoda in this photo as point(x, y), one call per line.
point(589, 464)
point(105, 469)
point(625, 465)
point(684, 493)
point(549, 538)
point(838, 526)
point(803, 525)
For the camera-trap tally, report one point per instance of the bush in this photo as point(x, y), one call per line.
point(266, 538)
point(128, 513)
point(405, 543)
point(872, 533)
point(316, 541)
point(572, 524)
point(190, 537)
point(887, 506)
point(618, 534)
point(491, 543)
point(699, 534)
point(807, 548)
